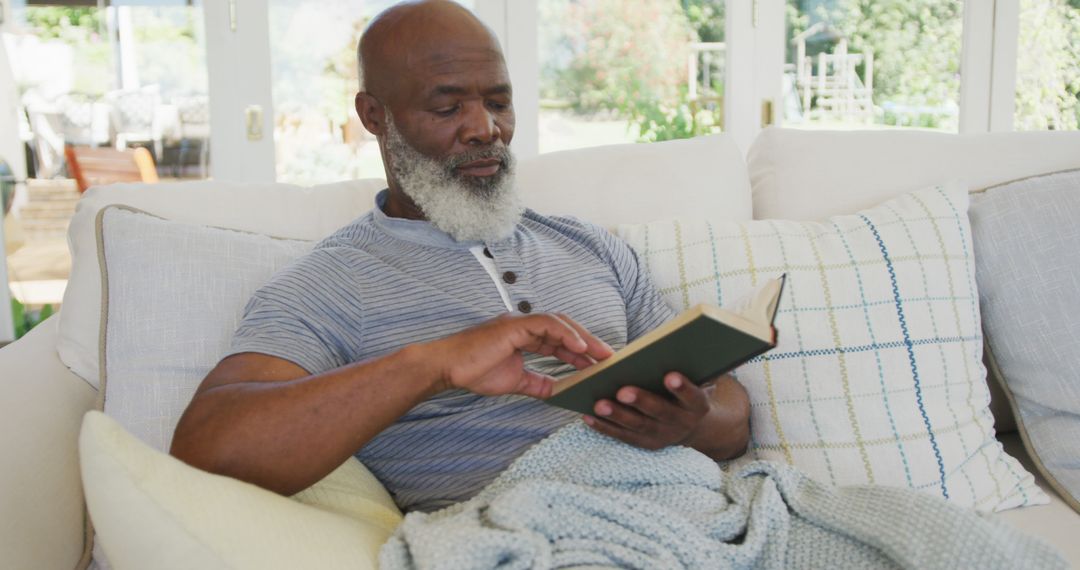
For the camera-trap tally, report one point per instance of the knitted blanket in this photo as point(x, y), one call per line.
point(581, 499)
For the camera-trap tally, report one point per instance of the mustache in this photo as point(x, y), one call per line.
point(498, 152)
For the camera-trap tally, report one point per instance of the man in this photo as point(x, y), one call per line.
point(422, 336)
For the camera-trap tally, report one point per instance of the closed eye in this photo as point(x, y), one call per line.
point(445, 111)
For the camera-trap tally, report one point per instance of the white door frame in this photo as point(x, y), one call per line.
point(1003, 71)
point(753, 90)
point(240, 89)
point(988, 64)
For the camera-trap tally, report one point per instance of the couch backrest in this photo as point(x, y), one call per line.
point(606, 185)
point(637, 183)
point(810, 175)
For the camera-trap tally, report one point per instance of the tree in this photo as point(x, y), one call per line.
point(607, 54)
point(1048, 65)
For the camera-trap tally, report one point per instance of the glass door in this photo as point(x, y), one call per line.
point(617, 71)
point(119, 80)
point(317, 136)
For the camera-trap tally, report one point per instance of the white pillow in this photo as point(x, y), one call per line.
point(275, 209)
point(879, 310)
point(175, 293)
point(810, 175)
point(154, 511)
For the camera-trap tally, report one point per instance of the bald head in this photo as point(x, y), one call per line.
point(414, 35)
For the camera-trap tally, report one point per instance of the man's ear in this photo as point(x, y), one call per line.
point(372, 113)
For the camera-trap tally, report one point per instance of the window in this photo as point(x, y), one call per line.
point(615, 71)
point(318, 137)
point(857, 64)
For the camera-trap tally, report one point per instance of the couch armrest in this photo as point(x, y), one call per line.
point(41, 408)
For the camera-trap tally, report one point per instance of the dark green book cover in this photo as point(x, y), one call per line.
point(701, 343)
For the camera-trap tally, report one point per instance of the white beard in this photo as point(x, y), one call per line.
point(483, 209)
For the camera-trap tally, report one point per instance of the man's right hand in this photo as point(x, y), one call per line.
point(487, 360)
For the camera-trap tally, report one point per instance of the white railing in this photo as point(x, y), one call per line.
point(704, 65)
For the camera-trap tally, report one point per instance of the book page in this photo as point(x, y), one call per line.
point(760, 305)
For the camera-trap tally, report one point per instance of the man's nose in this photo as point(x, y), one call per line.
point(479, 126)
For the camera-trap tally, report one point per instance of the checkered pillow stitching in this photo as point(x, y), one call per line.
point(878, 375)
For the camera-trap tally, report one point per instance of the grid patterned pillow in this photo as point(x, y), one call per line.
point(878, 377)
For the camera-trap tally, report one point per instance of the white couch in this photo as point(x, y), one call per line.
point(49, 377)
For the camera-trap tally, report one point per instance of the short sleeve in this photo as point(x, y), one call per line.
point(272, 327)
point(645, 307)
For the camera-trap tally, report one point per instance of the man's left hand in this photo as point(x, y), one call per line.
point(693, 416)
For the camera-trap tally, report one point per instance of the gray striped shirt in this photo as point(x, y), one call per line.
point(381, 283)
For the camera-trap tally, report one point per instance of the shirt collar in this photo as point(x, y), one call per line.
point(416, 231)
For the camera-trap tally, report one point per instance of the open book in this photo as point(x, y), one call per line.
point(701, 343)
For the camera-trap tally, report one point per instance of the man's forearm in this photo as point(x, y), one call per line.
point(724, 433)
point(284, 436)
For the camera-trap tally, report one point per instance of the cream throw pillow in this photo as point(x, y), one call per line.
point(154, 511)
point(878, 375)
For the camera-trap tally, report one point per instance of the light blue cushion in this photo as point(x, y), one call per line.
point(1027, 256)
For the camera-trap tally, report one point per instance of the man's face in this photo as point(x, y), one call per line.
point(455, 104)
point(446, 136)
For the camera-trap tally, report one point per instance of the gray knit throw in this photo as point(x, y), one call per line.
point(581, 499)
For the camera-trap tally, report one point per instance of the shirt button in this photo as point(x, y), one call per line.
point(509, 277)
point(525, 307)
point(487, 253)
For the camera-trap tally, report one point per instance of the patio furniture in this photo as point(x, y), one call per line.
point(134, 117)
point(91, 166)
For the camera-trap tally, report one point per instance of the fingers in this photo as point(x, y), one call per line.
point(624, 416)
point(597, 348)
point(637, 439)
point(657, 407)
point(689, 396)
point(535, 385)
point(560, 336)
point(651, 421)
point(579, 361)
point(535, 331)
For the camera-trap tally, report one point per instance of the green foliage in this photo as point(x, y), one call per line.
point(1048, 66)
point(707, 18)
point(607, 54)
point(661, 121)
point(169, 50)
point(915, 44)
point(84, 30)
point(628, 58)
point(64, 23)
point(26, 319)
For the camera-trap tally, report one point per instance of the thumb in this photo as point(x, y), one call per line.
point(535, 385)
